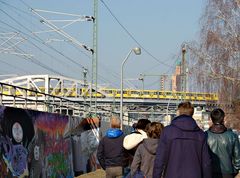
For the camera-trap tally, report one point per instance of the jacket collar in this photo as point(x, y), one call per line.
point(186, 123)
point(218, 128)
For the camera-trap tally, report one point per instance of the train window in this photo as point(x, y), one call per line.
point(146, 92)
point(168, 93)
point(108, 91)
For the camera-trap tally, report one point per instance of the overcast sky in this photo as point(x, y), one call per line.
point(159, 27)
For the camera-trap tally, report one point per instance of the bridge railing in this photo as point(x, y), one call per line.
point(16, 96)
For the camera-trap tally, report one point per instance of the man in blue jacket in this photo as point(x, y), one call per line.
point(182, 150)
point(111, 154)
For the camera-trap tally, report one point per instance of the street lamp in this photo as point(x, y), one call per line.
point(137, 51)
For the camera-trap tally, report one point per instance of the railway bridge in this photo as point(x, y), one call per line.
point(75, 97)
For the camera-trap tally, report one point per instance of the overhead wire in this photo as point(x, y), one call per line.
point(100, 77)
point(133, 38)
point(35, 61)
point(83, 52)
point(38, 40)
point(13, 66)
point(46, 67)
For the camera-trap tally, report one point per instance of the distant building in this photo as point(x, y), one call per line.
point(176, 78)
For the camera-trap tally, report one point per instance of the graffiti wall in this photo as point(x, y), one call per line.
point(32, 144)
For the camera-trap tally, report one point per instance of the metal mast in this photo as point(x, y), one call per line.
point(95, 55)
point(183, 70)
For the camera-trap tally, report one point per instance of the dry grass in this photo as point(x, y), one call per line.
point(99, 173)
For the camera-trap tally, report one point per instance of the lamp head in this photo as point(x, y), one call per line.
point(137, 50)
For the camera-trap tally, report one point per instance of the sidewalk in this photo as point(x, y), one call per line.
point(99, 173)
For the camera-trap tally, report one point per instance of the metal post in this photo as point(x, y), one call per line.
point(85, 88)
point(121, 100)
point(183, 69)
point(142, 79)
point(137, 51)
point(95, 53)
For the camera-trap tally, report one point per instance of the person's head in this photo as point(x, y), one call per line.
point(134, 126)
point(217, 116)
point(185, 108)
point(115, 122)
point(142, 123)
point(154, 129)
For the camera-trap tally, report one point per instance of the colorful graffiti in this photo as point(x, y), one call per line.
point(32, 144)
point(14, 140)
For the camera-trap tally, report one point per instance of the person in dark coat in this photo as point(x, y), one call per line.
point(182, 150)
point(132, 140)
point(224, 145)
point(110, 153)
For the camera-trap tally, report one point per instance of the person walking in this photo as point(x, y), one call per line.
point(224, 145)
point(131, 142)
point(110, 153)
point(182, 151)
point(146, 151)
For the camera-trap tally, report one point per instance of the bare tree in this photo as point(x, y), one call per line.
point(218, 53)
point(216, 66)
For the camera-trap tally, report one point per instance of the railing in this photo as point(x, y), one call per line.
point(27, 98)
point(110, 93)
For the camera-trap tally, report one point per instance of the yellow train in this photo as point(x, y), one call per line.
point(116, 93)
point(152, 94)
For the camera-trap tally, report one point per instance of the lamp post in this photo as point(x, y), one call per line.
point(141, 78)
point(137, 51)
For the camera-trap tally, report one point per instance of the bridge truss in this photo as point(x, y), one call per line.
point(69, 96)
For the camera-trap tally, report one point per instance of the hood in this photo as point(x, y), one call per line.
point(185, 122)
point(218, 128)
point(114, 133)
point(151, 145)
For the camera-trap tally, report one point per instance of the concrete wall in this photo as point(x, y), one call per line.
point(32, 144)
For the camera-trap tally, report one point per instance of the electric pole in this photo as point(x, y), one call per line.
point(183, 70)
point(94, 57)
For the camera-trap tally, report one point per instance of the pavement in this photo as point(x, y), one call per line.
point(99, 173)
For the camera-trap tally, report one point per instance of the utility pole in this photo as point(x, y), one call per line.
point(141, 78)
point(162, 83)
point(84, 83)
point(85, 88)
point(94, 57)
point(183, 70)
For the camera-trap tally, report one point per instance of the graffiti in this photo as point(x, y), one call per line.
point(52, 147)
point(36, 153)
point(15, 157)
point(52, 124)
point(58, 167)
point(3, 169)
point(32, 144)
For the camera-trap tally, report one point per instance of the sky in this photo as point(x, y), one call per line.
point(158, 27)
